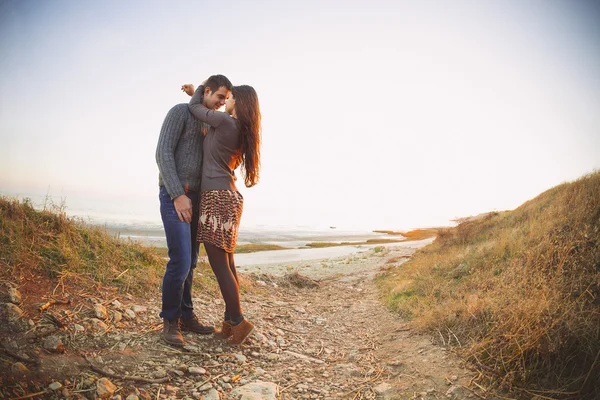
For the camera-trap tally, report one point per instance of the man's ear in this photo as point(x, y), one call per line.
point(207, 91)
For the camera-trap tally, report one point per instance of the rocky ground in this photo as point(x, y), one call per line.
point(322, 333)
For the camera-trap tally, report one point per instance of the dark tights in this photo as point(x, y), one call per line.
point(223, 267)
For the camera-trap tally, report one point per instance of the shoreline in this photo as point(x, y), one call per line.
point(322, 262)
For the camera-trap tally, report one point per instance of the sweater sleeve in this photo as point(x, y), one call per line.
point(170, 133)
point(213, 118)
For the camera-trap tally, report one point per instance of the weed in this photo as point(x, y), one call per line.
point(520, 290)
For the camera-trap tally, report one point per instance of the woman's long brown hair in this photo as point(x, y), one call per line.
point(247, 111)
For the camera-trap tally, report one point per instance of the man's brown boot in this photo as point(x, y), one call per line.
point(193, 325)
point(172, 333)
point(240, 332)
point(225, 331)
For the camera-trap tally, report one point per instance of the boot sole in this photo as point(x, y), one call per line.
point(207, 332)
point(176, 344)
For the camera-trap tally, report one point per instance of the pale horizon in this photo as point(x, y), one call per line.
point(375, 115)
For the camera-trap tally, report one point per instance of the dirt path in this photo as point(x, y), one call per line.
point(330, 340)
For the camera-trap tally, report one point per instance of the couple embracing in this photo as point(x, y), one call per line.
point(198, 151)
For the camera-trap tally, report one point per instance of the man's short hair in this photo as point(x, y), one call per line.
point(214, 82)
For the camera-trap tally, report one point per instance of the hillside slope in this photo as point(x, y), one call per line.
point(517, 292)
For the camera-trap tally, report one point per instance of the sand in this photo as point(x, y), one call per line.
point(325, 262)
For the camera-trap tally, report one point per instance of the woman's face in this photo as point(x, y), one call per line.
point(230, 105)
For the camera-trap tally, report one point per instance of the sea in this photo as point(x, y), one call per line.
point(139, 220)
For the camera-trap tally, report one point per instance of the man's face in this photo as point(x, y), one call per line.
point(216, 99)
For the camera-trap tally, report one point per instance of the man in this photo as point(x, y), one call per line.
point(179, 159)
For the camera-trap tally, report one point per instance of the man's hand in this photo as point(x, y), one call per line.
point(188, 88)
point(183, 206)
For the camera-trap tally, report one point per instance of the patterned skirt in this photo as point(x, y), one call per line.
point(220, 214)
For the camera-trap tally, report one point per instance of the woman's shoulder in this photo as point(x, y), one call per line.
point(229, 121)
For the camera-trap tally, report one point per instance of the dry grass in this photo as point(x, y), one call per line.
point(254, 247)
point(298, 280)
point(420, 234)
point(518, 292)
point(50, 244)
point(416, 234)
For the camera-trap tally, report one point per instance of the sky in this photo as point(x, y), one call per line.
point(376, 114)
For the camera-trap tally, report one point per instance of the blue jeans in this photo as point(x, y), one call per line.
point(183, 255)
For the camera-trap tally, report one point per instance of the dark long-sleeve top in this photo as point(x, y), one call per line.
point(179, 151)
point(222, 146)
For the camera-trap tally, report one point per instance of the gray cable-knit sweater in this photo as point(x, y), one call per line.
point(179, 151)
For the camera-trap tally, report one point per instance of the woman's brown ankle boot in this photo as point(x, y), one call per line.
point(240, 332)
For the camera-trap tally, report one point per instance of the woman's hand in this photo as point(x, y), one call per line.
point(188, 88)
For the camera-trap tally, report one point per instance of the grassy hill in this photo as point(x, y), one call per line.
point(517, 293)
point(49, 244)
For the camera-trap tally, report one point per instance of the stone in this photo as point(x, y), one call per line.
point(160, 373)
point(182, 367)
point(96, 325)
point(78, 328)
point(139, 309)
point(105, 388)
point(129, 314)
point(55, 386)
point(196, 370)
point(14, 296)
point(117, 304)
point(212, 394)
point(100, 311)
point(116, 316)
point(10, 345)
point(456, 392)
point(131, 396)
point(54, 344)
point(240, 358)
point(10, 312)
point(19, 368)
point(255, 391)
point(192, 349)
point(396, 363)
point(170, 390)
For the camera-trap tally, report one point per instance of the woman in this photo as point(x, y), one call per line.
point(233, 141)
